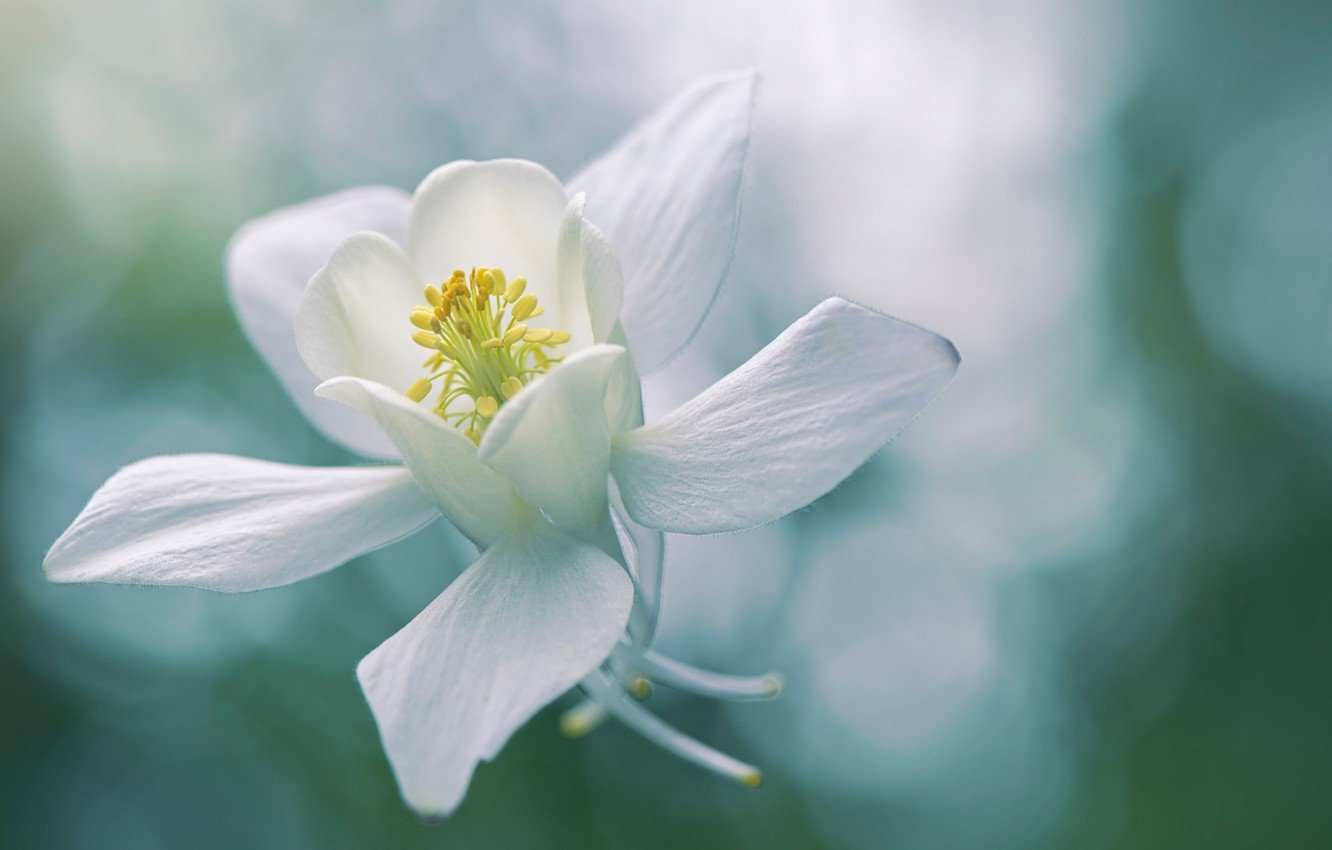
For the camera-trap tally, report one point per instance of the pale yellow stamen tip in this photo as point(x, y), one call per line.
point(559, 337)
point(434, 296)
point(515, 290)
point(419, 390)
point(537, 312)
point(497, 279)
point(492, 343)
point(473, 435)
point(640, 687)
point(425, 339)
point(487, 406)
point(423, 319)
point(510, 387)
point(525, 306)
point(514, 334)
point(537, 335)
point(751, 779)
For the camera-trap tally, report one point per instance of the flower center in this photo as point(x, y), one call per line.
point(483, 349)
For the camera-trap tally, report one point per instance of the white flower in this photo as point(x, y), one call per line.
point(522, 426)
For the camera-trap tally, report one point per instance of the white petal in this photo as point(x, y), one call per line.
point(473, 496)
point(537, 613)
point(787, 426)
point(624, 395)
point(232, 523)
point(668, 198)
point(552, 441)
point(504, 213)
point(590, 285)
point(353, 318)
point(269, 262)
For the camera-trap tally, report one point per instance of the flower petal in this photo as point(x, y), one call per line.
point(668, 198)
point(504, 213)
point(269, 262)
point(353, 318)
point(537, 613)
point(590, 285)
point(552, 441)
point(232, 524)
point(785, 427)
point(473, 496)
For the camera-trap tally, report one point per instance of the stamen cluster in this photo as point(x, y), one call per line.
point(484, 350)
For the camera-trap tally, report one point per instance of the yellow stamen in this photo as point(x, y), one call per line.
point(514, 334)
point(419, 390)
point(515, 290)
point(425, 339)
point(484, 352)
point(422, 319)
point(524, 307)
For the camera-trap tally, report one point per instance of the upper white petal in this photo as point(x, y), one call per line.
point(537, 613)
point(668, 198)
point(504, 214)
point(269, 262)
point(232, 523)
point(785, 427)
point(475, 498)
point(552, 441)
point(353, 318)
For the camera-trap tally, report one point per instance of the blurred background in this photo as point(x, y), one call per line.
point(1083, 602)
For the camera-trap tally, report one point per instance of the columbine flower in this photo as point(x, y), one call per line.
point(482, 332)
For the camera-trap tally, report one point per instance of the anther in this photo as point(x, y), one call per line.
point(559, 337)
point(422, 319)
point(524, 307)
point(515, 290)
point(425, 339)
point(434, 296)
point(419, 390)
point(510, 387)
point(514, 334)
point(487, 406)
point(537, 335)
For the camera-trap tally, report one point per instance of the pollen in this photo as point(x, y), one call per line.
point(483, 350)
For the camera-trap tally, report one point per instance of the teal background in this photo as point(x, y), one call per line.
point(1081, 603)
